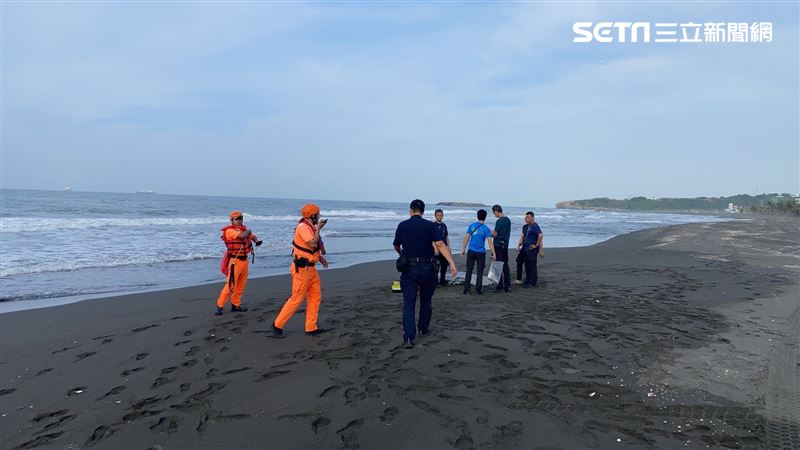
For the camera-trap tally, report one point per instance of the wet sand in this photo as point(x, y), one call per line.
point(676, 337)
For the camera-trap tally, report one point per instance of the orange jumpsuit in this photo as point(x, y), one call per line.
point(237, 274)
point(305, 281)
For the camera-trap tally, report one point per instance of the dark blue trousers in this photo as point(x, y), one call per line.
point(418, 277)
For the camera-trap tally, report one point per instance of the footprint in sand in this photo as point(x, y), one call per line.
point(44, 371)
point(49, 415)
point(232, 371)
point(320, 422)
point(140, 329)
point(495, 347)
point(141, 356)
point(389, 414)
point(179, 343)
point(7, 391)
point(131, 371)
point(100, 433)
point(329, 390)
point(148, 401)
point(42, 440)
point(269, 375)
point(464, 442)
point(348, 433)
point(166, 424)
point(482, 416)
point(185, 387)
point(508, 435)
point(76, 391)
point(189, 363)
point(192, 351)
point(57, 423)
point(372, 390)
point(136, 415)
point(426, 407)
point(160, 381)
point(212, 417)
point(64, 349)
point(114, 391)
point(353, 394)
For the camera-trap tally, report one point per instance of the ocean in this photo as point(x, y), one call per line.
point(57, 247)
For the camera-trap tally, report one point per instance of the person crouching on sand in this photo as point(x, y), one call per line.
point(305, 278)
point(239, 243)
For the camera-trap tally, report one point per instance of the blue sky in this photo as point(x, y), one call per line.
point(488, 102)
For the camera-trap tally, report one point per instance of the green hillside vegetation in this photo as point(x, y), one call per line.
point(769, 203)
point(779, 206)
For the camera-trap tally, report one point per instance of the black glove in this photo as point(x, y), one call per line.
point(258, 243)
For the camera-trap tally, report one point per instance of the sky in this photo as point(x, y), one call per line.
point(388, 101)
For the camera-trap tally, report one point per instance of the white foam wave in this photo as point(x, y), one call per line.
point(550, 217)
point(81, 263)
point(37, 224)
point(34, 224)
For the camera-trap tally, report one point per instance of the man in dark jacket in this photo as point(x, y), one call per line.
point(414, 241)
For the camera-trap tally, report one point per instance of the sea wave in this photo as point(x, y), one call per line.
point(78, 291)
point(38, 224)
point(360, 234)
point(95, 263)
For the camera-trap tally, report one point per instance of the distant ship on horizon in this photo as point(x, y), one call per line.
point(146, 191)
point(67, 188)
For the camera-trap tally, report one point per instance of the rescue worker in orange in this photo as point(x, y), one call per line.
point(307, 245)
point(239, 243)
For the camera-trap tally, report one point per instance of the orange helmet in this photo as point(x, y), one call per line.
point(235, 214)
point(309, 210)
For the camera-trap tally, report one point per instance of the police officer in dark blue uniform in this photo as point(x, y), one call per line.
point(412, 241)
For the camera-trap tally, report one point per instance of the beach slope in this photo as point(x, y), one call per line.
point(683, 336)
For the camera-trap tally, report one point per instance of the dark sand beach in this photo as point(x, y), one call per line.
point(678, 337)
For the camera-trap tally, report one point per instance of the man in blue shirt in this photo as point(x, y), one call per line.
point(414, 241)
point(532, 246)
point(502, 236)
point(439, 216)
point(477, 234)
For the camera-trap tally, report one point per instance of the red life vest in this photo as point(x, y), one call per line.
point(237, 248)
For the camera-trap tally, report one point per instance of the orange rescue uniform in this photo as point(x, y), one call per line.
point(305, 280)
point(237, 267)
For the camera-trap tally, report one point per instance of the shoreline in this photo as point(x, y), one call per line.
point(674, 336)
point(7, 307)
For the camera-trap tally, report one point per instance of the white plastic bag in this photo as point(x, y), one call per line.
point(459, 279)
point(496, 271)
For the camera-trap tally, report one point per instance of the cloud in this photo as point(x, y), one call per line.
point(387, 101)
